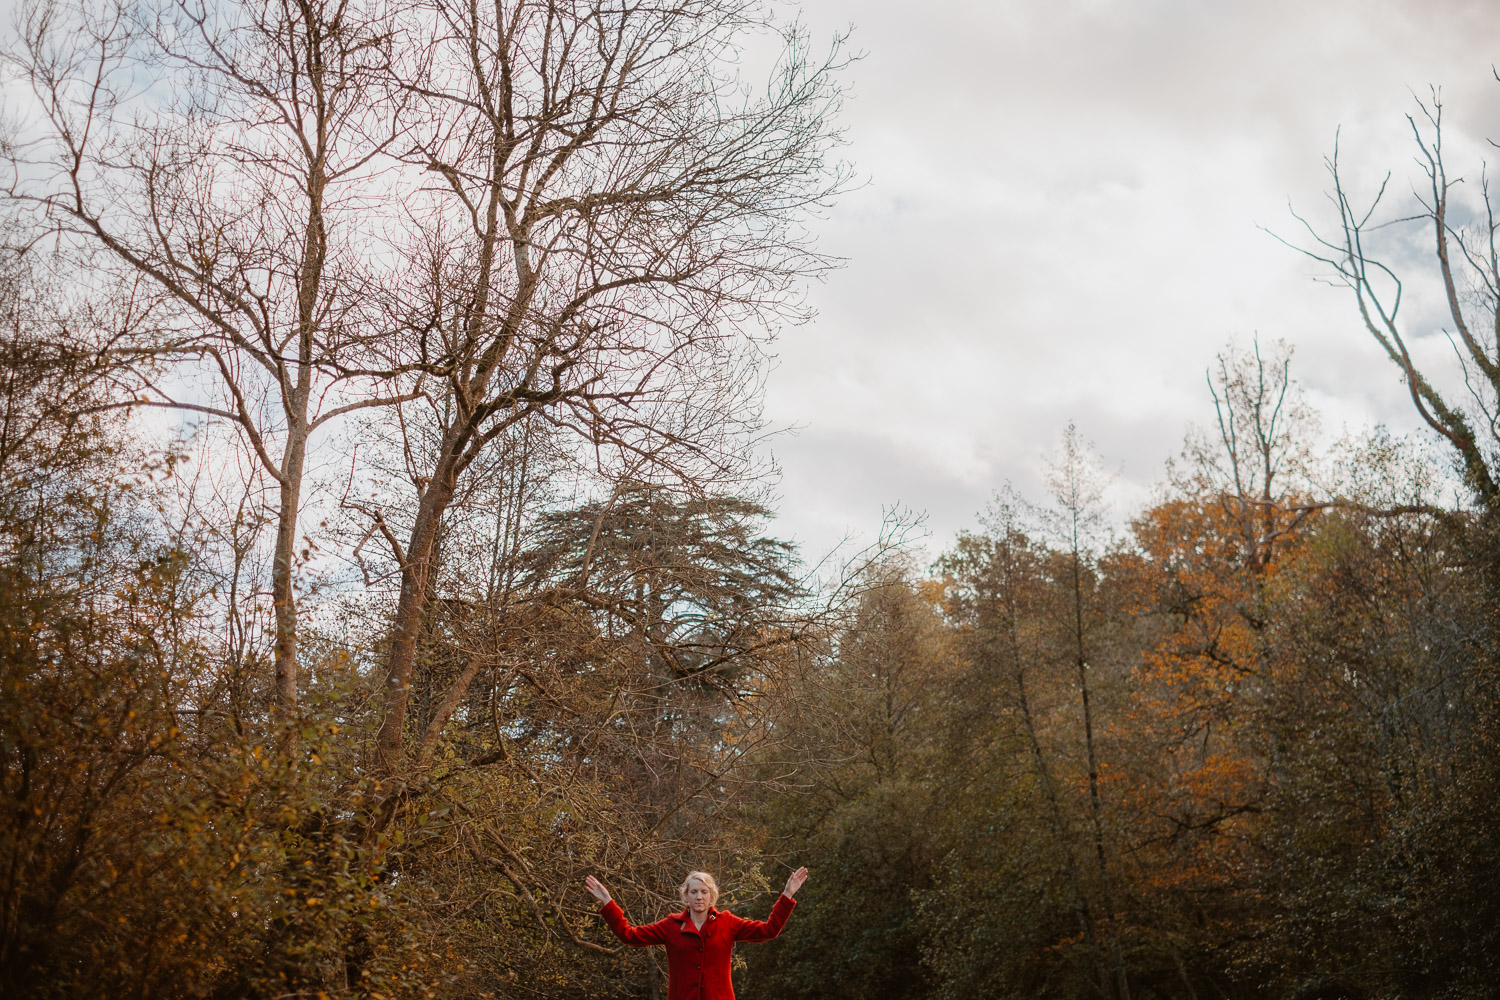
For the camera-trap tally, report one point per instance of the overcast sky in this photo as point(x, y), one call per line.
point(1060, 223)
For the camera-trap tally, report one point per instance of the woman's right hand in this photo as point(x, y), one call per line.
point(596, 889)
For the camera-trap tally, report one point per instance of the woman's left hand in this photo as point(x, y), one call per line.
point(794, 882)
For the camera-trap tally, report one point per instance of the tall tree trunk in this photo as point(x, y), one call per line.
point(410, 609)
point(283, 591)
point(1096, 806)
point(296, 399)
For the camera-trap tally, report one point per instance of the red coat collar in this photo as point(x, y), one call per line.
point(686, 918)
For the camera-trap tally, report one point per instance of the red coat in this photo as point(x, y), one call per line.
point(698, 963)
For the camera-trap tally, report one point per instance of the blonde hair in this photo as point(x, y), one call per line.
point(706, 879)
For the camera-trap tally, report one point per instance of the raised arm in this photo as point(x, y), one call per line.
point(614, 916)
point(765, 930)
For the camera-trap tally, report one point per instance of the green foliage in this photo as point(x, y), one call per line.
point(870, 823)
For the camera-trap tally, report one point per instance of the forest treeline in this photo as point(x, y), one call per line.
point(385, 547)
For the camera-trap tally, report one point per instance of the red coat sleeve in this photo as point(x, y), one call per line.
point(640, 937)
point(765, 930)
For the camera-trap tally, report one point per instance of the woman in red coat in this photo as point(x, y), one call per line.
point(700, 939)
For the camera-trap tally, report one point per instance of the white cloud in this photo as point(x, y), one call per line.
point(1061, 223)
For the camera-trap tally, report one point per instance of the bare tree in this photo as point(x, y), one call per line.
point(613, 220)
point(1468, 267)
point(218, 157)
point(1256, 462)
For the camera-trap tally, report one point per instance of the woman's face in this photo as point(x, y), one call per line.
point(699, 896)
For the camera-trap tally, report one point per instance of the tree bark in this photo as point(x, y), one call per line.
point(407, 626)
point(283, 583)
